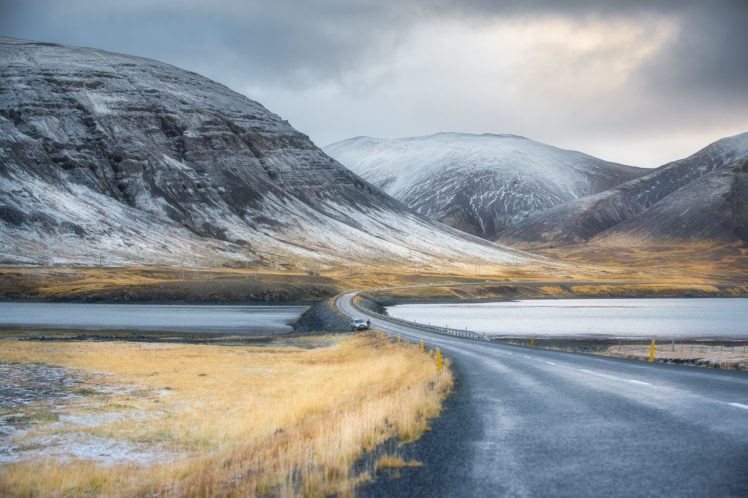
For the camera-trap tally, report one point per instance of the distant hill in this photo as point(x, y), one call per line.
point(478, 183)
point(124, 160)
point(701, 197)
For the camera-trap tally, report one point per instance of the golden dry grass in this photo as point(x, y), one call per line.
point(161, 282)
point(676, 263)
point(488, 291)
point(242, 420)
point(395, 462)
point(726, 357)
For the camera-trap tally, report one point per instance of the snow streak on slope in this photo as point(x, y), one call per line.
point(135, 161)
point(701, 197)
point(477, 183)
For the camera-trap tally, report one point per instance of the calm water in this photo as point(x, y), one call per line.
point(710, 317)
point(250, 320)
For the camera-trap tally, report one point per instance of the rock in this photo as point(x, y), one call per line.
point(123, 160)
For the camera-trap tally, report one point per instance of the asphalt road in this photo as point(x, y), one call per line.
point(531, 422)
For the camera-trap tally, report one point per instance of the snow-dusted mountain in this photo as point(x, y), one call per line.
point(478, 183)
point(135, 161)
point(701, 197)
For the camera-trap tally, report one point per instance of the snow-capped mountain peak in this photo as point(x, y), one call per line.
point(130, 160)
point(477, 183)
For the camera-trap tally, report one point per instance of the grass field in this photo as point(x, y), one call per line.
point(675, 270)
point(730, 356)
point(163, 284)
point(668, 263)
point(146, 419)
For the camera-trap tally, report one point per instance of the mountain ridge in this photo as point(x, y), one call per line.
point(127, 160)
point(477, 183)
point(624, 208)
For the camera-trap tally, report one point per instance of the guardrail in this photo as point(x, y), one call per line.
point(465, 334)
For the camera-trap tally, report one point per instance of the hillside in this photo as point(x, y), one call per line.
point(114, 159)
point(700, 198)
point(478, 183)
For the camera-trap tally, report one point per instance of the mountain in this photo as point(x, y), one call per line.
point(478, 183)
point(124, 160)
point(701, 197)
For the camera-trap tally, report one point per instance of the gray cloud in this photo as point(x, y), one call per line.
point(338, 68)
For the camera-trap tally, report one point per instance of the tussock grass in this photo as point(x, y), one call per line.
point(278, 420)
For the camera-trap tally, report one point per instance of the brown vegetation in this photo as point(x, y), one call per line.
point(162, 284)
point(711, 355)
point(670, 265)
point(396, 462)
point(489, 291)
point(281, 420)
point(675, 262)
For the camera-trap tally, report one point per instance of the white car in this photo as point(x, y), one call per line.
point(359, 324)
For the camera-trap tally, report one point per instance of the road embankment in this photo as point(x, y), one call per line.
point(322, 317)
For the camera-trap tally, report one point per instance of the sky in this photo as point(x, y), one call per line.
point(640, 82)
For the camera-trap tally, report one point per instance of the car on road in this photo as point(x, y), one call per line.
point(359, 324)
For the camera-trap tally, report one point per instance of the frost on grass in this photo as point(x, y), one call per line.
point(284, 419)
point(47, 412)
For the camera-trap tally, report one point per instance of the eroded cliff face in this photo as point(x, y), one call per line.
point(131, 160)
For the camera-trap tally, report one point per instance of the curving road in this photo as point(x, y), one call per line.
point(531, 422)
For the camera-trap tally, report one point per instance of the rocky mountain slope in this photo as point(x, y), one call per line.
point(123, 160)
point(478, 183)
point(702, 197)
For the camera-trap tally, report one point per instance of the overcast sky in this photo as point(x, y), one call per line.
point(641, 82)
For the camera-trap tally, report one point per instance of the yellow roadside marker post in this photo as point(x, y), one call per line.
point(423, 348)
point(438, 360)
point(532, 341)
point(652, 352)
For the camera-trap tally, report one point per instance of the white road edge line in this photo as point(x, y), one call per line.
point(739, 405)
point(613, 377)
point(638, 382)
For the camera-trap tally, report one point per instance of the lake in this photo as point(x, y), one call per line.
point(234, 319)
point(620, 318)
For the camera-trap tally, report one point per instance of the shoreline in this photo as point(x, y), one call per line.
point(156, 302)
point(597, 345)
